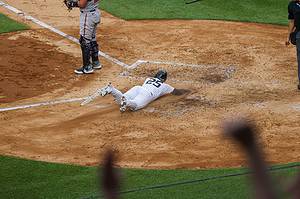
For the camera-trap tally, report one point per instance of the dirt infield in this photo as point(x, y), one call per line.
point(241, 68)
point(28, 67)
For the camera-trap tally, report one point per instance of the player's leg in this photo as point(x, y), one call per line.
point(140, 101)
point(117, 95)
point(85, 49)
point(128, 97)
point(127, 104)
point(85, 44)
point(133, 92)
point(109, 89)
point(95, 47)
point(95, 59)
point(298, 56)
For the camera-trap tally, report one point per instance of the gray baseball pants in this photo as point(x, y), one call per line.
point(88, 25)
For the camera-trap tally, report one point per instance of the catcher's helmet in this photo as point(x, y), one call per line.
point(162, 75)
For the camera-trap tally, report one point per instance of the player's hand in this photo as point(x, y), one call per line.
point(287, 41)
point(180, 91)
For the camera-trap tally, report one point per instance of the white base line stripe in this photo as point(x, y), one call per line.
point(136, 64)
point(42, 104)
point(44, 25)
point(140, 62)
point(114, 60)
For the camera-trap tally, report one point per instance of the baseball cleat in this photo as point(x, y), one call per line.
point(123, 106)
point(84, 70)
point(88, 69)
point(79, 71)
point(299, 86)
point(105, 90)
point(96, 65)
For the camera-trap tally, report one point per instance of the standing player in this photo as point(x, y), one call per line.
point(294, 26)
point(89, 19)
point(140, 96)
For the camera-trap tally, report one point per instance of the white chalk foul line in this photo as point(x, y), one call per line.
point(44, 25)
point(42, 104)
point(140, 62)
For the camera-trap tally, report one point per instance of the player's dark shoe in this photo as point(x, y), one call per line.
point(106, 90)
point(84, 70)
point(97, 65)
point(299, 86)
point(123, 106)
point(79, 71)
point(88, 69)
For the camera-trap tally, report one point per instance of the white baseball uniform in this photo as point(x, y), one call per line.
point(140, 96)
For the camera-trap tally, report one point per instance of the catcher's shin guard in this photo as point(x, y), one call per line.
point(86, 51)
point(94, 51)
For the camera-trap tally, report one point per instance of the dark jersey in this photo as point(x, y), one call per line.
point(294, 13)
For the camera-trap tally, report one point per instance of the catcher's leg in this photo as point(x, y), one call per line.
point(85, 49)
point(85, 43)
point(95, 53)
point(95, 20)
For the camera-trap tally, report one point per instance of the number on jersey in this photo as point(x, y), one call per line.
point(155, 82)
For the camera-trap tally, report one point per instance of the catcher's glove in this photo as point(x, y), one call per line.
point(71, 4)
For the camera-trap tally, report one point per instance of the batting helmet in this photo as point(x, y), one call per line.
point(162, 75)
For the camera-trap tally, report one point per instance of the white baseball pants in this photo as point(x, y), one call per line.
point(136, 98)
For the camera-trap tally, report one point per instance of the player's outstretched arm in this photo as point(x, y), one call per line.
point(180, 91)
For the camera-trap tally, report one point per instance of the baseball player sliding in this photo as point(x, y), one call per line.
point(140, 96)
point(89, 19)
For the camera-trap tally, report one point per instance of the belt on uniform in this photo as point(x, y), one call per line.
point(88, 11)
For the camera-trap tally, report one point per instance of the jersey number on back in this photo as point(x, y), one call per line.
point(155, 82)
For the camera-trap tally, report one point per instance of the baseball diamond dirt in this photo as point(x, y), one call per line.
point(243, 68)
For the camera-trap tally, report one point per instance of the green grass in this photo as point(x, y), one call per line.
point(32, 179)
point(262, 11)
point(9, 25)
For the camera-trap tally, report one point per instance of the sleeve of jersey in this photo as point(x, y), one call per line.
point(168, 89)
point(290, 11)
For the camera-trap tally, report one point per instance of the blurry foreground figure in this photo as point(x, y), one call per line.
point(109, 177)
point(244, 132)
